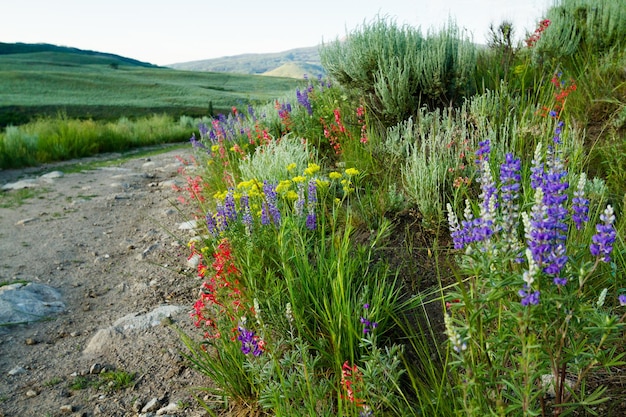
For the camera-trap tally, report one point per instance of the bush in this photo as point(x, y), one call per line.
point(397, 70)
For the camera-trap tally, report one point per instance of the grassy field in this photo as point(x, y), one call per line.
point(83, 84)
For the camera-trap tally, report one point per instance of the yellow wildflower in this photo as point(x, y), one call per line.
point(311, 169)
point(322, 183)
point(292, 195)
point(291, 166)
point(335, 175)
point(215, 148)
point(283, 186)
point(299, 178)
point(352, 172)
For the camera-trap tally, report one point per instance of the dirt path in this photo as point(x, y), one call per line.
point(103, 239)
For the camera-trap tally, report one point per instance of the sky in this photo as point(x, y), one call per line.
point(164, 32)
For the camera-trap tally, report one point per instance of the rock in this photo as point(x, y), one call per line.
point(24, 303)
point(188, 225)
point(95, 368)
point(52, 175)
point(108, 337)
point(25, 221)
point(31, 393)
point(151, 406)
point(147, 251)
point(170, 408)
point(30, 341)
point(66, 409)
point(548, 380)
point(20, 185)
point(18, 370)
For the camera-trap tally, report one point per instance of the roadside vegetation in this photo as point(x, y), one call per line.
point(434, 230)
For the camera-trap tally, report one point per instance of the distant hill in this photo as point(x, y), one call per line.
point(40, 79)
point(74, 55)
point(293, 63)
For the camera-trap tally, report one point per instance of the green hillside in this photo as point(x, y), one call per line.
point(306, 58)
point(45, 80)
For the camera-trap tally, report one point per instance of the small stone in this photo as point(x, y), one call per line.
point(18, 370)
point(25, 221)
point(74, 334)
point(53, 175)
point(30, 341)
point(170, 408)
point(151, 406)
point(31, 393)
point(95, 368)
point(66, 409)
point(137, 405)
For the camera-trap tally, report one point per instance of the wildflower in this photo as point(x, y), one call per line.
point(529, 296)
point(622, 299)
point(351, 172)
point(368, 325)
point(303, 100)
point(484, 148)
point(269, 208)
point(299, 204)
point(291, 166)
point(335, 175)
point(249, 341)
point(311, 169)
point(350, 376)
point(580, 205)
point(453, 335)
point(311, 220)
point(244, 203)
point(510, 186)
point(602, 241)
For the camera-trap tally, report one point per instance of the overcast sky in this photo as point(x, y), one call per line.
point(169, 31)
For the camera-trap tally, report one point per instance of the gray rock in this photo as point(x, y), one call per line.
point(123, 327)
point(24, 303)
point(171, 408)
point(20, 185)
point(52, 175)
point(18, 370)
point(151, 406)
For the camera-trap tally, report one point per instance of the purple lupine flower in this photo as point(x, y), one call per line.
point(211, 223)
point(622, 299)
point(602, 241)
point(195, 143)
point(529, 297)
point(368, 325)
point(230, 211)
point(509, 188)
point(311, 219)
point(554, 198)
point(303, 99)
point(269, 211)
point(557, 133)
point(244, 203)
point(202, 127)
point(299, 204)
point(580, 205)
point(221, 218)
point(249, 342)
point(484, 148)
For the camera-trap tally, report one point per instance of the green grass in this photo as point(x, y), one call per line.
point(39, 83)
point(14, 199)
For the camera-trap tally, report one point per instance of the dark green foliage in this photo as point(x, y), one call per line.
point(397, 70)
point(583, 26)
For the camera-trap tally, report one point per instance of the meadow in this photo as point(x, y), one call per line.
point(435, 229)
point(59, 103)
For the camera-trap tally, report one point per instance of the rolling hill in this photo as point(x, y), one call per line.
point(41, 79)
point(294, 63)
